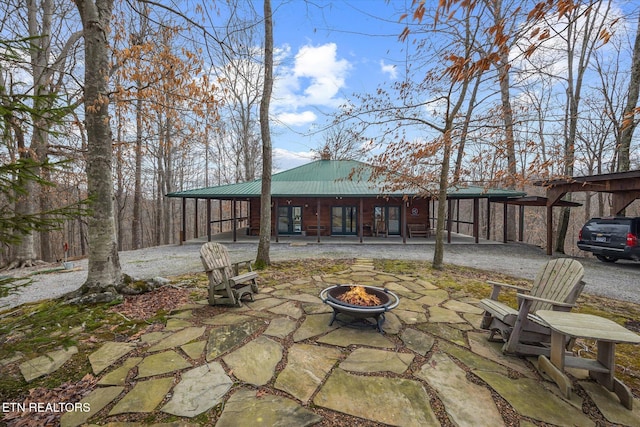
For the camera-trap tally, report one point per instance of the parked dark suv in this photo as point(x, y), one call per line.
point(611, 239)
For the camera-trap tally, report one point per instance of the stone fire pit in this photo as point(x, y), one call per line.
point(387, 301)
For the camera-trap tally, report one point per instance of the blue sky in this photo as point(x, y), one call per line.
point(329, 50)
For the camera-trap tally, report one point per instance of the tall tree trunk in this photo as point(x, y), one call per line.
point(262, 258)
point(166, 181)
point(136, 233)
point(159, 184)
point(438, 254)
point(120, 196)
point(507, 118)
point(104, 277)
point(628, 122)
point(593, 26)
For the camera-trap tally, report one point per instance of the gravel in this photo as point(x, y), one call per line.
point(618, 281)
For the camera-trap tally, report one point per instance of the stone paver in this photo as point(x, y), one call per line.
point(289, 308)
point(229, 318)
point(224, 338)
point(108, 354)
point(194, 349)
point(255, 362)
point(177, 339)
point(410, 317)
point(44, 365)
point(144, 397)
point(199, 390)
point(119, 375)
point(417, 341)
point(161, 363)
point(372, 360)
point(244, 408)
point(96, 400)
point(531, 399)
point(443, 315)
point(313, 325)
point(280, 327)
point(393, 401)
point(346, 336)
point(307, 366)
point(463, 400)
point(610, 406)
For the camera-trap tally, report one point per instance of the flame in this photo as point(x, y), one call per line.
point(358, 295)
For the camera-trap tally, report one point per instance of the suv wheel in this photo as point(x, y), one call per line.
point(605, 258)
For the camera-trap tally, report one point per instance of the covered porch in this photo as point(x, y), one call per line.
point(325, 199)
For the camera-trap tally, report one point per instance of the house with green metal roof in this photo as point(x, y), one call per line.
point(336, 198)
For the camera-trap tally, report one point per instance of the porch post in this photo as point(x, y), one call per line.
point(195, 221)
point(521, 224)
point(476, 228)
point(208, 220)
point(429, 222)
point(220, 215)
point(318, 219)
point(275, 216)
point(488, 218)
point(403, 222)
point(504, 223)
point(234, 223)
point(183, 234)
point(360, 220)
point(449, 219)
point(549, 228)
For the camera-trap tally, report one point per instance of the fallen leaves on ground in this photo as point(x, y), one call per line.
point(145, 306)
point(44, 407)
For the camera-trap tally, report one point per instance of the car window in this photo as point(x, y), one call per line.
point(615, 226)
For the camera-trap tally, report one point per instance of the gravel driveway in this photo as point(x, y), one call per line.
point(619, 281)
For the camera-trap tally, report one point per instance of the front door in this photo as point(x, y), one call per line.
point(344, 220)
point(388, 217)
point(289, 219)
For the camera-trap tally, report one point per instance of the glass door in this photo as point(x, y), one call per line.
point(387, 218)
point(344, 220)
point(289, 219)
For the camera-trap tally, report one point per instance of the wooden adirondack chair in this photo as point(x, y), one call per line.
point(556, 287)
point(226, 284)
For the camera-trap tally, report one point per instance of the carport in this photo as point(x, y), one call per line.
point(624, 188)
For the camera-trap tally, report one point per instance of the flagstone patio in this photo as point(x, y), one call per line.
point(277, 361)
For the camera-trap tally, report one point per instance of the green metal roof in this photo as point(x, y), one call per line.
point(325, 178)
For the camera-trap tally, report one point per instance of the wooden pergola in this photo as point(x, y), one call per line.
point(624, 188)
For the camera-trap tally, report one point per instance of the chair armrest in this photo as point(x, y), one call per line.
point(555, 304)
point(497, 286)
point(236, 266)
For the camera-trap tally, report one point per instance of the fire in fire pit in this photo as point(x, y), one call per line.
point(358, 295)
point(360, 302)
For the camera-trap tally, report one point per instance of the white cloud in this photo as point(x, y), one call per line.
point(284, 159)
point(315, 79)
point(389, 69)
point(296, 119)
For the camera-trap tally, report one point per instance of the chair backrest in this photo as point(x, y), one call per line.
point(559, 280)
point(213, 256)
point(381, 226)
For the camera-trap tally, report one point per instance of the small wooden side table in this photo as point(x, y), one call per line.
point(605, 332)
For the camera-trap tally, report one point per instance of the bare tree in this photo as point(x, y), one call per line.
point(629, 121)
point(240, 77)
point(584, 32)
point(262, 257)
point(49, 59)
point(104, 277)
point(341, 142)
